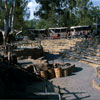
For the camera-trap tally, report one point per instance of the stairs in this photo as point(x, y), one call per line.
point(57, 46)
point(80, 49)
point(83, 50)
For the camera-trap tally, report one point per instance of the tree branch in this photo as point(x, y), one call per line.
point(2, 31)
point(10, 12)
point(18, 32)
point(12, 16)
point(15, 30)
point(6, 6)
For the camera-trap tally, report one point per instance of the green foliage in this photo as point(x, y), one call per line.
point(31, 23)
point(48, 12)
point(56, 13)
point(20, 11)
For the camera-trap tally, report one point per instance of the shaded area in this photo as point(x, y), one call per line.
point(18, 83)
point(15, 79)
point(24, 62)
point(51, 57)
point(78, 69)
point(1, 38)
point(74, 94)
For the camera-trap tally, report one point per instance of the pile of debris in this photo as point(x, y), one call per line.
point(58, 70)
point(48, 71)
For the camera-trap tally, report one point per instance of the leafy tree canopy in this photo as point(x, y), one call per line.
point(54, 13)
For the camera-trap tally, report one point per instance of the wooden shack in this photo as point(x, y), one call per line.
point(38, 33)
point(55, 33)
point(78, 31)
point(59, 32)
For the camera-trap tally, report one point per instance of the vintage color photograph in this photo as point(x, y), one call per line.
point(49, 49)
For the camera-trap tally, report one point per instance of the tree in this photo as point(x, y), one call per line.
point(31, 23)
point(57, 12)
point(20, 13)
point(11, 11)
point(7, 8)
point(48, 11)
point(95, 14)
point(65, 12)
point(83, 15)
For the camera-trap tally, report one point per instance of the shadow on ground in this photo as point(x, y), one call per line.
point(78, 69)
point(51, 57)
point(67, 95)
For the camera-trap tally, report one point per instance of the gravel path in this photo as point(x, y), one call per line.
point(78, 86)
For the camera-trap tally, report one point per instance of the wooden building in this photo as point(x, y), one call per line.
point(59, 32)
point(37, 33)
point(96, 31)
point(54, 33)
point(77, 31)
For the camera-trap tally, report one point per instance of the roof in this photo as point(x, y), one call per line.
point(48, 28)
point(78, 27)
point(36, 29)
point(59, 28)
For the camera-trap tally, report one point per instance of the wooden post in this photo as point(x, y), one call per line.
point(46, 88)
point(9, 55)
point(59, 92)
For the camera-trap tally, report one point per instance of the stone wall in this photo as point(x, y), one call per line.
point(58, 45)
point(33, 53)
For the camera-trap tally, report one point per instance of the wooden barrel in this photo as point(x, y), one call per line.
point(51, 73)
point(73, 68)
point(65, 72)
point(43, 74)
point(58, 72)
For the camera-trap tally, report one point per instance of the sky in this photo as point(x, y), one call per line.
point(96, 2)
point(33, 6)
